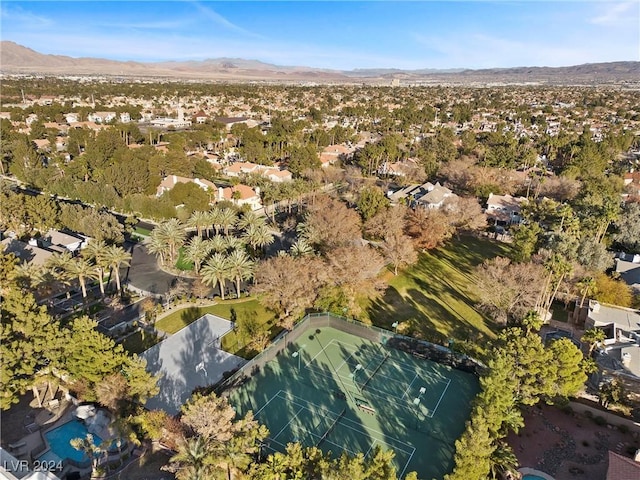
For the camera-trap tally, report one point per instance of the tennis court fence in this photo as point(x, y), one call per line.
point(419, 348)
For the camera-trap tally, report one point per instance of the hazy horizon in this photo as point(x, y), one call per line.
point(333, 35)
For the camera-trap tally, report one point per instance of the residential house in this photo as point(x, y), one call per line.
point(125, 117)
point(26, 252)
point(504, 209)
point(276, 175)
point(621, 348)
point(101, 117)
point(238, 169)
point(172, 180)
point(241, 195)
point(332, 153)
point(166, 122)
point(42, 144)
point(426, 195)
point(623, 468)
point(200, 117)
point(73, 242)
point(229, 122)
point(628, 267)
point(435, 196)
point(72, 118)
point(403, 168)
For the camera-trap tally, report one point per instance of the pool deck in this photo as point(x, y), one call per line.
point(533, 471)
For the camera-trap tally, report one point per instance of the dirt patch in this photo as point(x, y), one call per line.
point(568, 446)
point(147, 467)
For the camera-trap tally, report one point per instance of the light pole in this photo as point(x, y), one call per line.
point(297, 354)
point(416, 404)
point(353, 374)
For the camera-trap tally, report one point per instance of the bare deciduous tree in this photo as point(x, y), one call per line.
point(288, 285)
point(330, 223)
point(398, 251)
point(508, 290)
point(428, 228)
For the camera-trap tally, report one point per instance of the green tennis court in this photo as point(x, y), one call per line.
point(341, 392)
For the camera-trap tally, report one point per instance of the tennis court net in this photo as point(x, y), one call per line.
point(331, 427)
point(375, 370)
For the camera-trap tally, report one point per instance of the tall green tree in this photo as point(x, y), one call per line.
point(116, 257)
point(241, 267)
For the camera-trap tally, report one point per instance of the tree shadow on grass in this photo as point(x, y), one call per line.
point(190, 315)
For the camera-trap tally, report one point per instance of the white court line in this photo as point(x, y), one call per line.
point(437, 404)
point(406, 465)
point(270, 400)
point(407, 389)
point(319, 353)
point(292, 419)
point(370, 447)
point(402, 364)
point(344, 420)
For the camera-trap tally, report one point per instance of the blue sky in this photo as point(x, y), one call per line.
point(339, 35)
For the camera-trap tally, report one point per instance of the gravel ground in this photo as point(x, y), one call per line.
point(568, 446)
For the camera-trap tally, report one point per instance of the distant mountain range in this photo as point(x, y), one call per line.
point(16, 58)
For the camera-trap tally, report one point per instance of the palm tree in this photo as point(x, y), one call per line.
point(95, 252)
point(218, 244)
point(250, 219)
point(587, 286)
point(216, 272)
point(87, 446)
point(58, 263)
point(117, 256)
point(82, 270)
point(233, 243)
point(213, 218)
point(174, 234)
point(194, 459)
point(158, 247)
point(171, 234)
point(241, 267)
point(199, 220)
point(301, 248)
point(258, 237)
point(593, 336)
point(228, 219)
point(197, 251)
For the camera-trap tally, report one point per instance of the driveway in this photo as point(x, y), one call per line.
point(144, 272)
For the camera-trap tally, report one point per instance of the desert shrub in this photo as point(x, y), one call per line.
point(600, 420)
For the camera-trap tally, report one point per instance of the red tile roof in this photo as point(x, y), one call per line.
point(622, 468)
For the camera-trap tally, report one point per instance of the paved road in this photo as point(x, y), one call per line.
point(144, 272)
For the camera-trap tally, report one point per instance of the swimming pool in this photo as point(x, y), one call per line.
point(532, 477)
point(60, 441)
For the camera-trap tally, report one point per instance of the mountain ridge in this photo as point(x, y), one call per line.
point(15, 59)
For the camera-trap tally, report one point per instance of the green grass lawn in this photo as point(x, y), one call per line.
point(434, 299)
point(142, 231)
point(182, 263)
point(181, 318)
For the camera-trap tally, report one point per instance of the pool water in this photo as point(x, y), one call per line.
point(528, 476)
point(60, 440)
